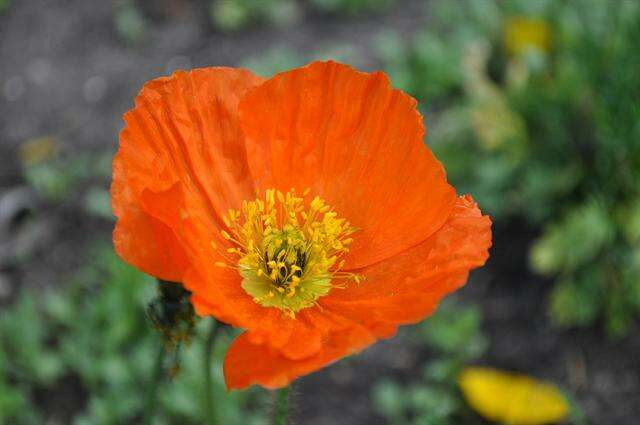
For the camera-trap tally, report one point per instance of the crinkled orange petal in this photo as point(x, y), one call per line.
point(358, 144)
point(406, 288)
point(181, 164)
point(143, 240)
point(247, 363)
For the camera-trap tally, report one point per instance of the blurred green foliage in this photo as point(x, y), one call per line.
point(94, 336)
point(537, 115)
point(232, 15)
point(4, 6)
point(59, 175)
point(273, 61)
point(61, 178)
point(351, 7)
point(454, 337)
point(130, 23)
point(281, 59)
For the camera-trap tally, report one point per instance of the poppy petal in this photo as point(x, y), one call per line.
point(407, 288)
point(247, 363)
point(181, 164)
point(143, 240)
point(358, 144)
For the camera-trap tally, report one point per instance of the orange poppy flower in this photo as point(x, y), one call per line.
point(305, 209)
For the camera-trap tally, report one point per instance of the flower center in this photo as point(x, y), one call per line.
point(287, 250)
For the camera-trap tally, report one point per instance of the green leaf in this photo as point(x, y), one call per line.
point(388, 399)
point(230, 15)
point(455, 330)
point(442, 370)
point(97, 201)
point(573, 241)
point(23, 333)
point(130, 24)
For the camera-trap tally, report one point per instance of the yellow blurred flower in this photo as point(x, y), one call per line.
point(525, 34)
point(512, 399)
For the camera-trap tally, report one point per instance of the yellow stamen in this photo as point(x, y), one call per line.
point(290, 250)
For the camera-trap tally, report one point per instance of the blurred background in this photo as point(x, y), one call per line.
point(533, 106)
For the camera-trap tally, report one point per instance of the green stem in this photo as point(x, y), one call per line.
point(209, 343)
point(154, 383)
point(282, 406)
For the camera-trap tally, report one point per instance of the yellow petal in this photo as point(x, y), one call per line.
point(512, 399)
